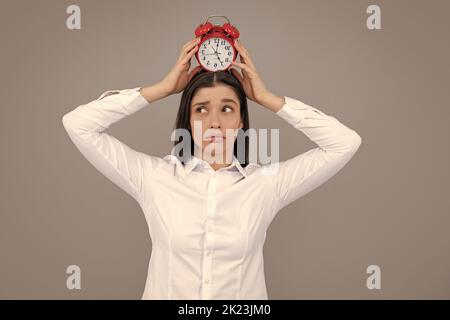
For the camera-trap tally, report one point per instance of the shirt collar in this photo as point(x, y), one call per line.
point(194, 161)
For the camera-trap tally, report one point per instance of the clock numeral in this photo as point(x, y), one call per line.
point(227, 47)
point(226, 60)
point(223, 42)
point(215, 65)
point(229, 53)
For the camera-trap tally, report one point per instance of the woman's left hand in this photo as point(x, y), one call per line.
point(251, 82)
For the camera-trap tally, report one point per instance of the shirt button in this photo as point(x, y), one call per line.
point(207, 280)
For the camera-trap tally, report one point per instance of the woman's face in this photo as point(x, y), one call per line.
point(213, 111)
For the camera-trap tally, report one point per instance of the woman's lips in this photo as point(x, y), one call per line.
point(216, 138)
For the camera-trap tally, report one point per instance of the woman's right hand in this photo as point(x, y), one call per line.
point(178, 77)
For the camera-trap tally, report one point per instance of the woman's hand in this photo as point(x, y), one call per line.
point(178, 77)
point(251, 82)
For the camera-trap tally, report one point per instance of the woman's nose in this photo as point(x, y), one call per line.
point(214, 121)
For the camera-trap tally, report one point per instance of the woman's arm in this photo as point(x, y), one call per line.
point(336, 145)
point(86, 127)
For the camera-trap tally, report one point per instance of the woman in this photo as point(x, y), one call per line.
point(208, 219)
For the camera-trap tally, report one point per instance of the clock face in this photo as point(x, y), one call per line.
point(215, 54)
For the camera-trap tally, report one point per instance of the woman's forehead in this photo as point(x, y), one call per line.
point(214, 95)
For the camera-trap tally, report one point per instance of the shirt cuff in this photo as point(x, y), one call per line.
point(294, 110)
point(131, 99)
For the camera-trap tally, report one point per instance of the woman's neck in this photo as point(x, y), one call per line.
point(216, 164)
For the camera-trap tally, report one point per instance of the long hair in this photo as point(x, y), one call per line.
point(208, 79)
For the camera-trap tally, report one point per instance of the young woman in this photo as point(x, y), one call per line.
point(208, 219)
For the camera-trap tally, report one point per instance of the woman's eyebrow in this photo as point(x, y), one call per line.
point(223, 100)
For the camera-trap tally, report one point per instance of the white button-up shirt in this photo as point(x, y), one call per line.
point(208, 227)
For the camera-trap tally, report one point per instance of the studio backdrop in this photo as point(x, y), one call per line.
point(378, 229)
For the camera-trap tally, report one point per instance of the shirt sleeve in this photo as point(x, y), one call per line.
point(336, 144)
point(86, 127)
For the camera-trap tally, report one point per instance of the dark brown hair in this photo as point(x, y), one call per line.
point(208, 79)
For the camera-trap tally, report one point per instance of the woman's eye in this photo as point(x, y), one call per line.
point(199, 109)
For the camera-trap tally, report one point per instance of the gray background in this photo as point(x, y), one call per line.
point(389, 206)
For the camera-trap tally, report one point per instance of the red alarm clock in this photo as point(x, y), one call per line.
point(216, 49)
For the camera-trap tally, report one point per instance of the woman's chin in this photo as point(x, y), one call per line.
point(215, 151)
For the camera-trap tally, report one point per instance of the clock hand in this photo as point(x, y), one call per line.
point(220, 60)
